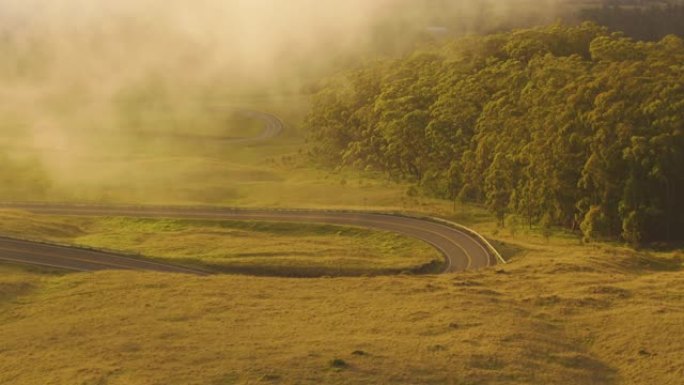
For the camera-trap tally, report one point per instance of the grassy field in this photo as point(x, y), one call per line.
point(558, 314)
point(259, 248)
point(109, 163)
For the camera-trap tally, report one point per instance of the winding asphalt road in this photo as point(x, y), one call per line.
point(462, 250)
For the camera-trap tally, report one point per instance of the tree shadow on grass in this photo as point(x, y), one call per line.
point(649, 262)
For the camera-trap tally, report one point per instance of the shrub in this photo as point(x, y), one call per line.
point(594, 224)
point(338, 363)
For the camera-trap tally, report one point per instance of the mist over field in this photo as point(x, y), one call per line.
point(75, 72)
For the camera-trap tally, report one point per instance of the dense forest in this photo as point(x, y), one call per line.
point(562, 126)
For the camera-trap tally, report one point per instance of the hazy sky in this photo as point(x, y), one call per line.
point(251, 34)
point(247, 37)
point(73, 71)
point(71, 54)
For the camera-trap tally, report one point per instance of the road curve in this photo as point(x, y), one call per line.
point(461, 250)
point(272, 127)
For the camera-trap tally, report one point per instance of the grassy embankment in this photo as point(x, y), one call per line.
point(560, 313)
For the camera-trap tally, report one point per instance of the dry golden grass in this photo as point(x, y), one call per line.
point(558, 314)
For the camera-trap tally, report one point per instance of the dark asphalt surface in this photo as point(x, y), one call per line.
point(71, 258)
point(461, 250)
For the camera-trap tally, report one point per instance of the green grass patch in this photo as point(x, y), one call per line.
point(258, 248)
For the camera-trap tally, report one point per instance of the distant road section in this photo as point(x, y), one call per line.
point(462, 251)
point(273, 126)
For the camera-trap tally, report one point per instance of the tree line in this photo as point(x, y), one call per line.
point(568, 126)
